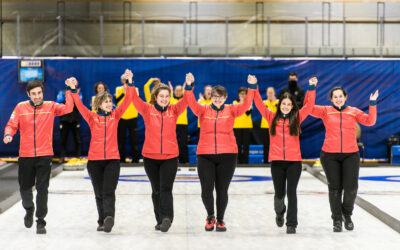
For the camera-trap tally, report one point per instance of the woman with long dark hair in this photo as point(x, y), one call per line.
point(340, 157)
point(285, 152)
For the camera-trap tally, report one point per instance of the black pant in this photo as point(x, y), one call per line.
point(285, 176)
point(104, 175)
point(341, 170)
point(35, 171)
point(131, 126)
point(265, 132)
point(65, 127)
point(162, 174)
point(243, 136)
point(182, 133)
point(216, 170)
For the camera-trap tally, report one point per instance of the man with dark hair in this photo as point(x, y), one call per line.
point(34, 119)
point(294, 89)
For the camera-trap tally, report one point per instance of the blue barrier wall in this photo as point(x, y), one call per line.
point(359, 77)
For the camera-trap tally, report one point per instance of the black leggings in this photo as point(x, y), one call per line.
point(243, 136)
point(283, 171)
point(104, 175)
point(265, 133)
point(216, 170)
point(162, 174)
point(341, 170)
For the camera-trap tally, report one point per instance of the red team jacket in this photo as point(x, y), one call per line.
point(283, 146)
point(35, 124)
point(216, 125)
point(103, 127)
point(340, 126)
point(160, 123)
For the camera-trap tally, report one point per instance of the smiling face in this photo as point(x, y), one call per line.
point(338, 98)
point(178, 91)
point(162, 98)
point(207, 92)
point(242, 96)
point(106, 105)
point(36, 95)
point(100, 88)
point(218, 100)
point(270, 93)
point(286, 106)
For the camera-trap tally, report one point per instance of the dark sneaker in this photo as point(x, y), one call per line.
point(348, 224)
point(108, 224)
point(157, 227)
point(100, 228)
point(279, 220)
point(220, 226)
point(165, 225)
point(28, 219)
point(40, 229)
point(290, 230)
point(210, 223)
point(337, 226)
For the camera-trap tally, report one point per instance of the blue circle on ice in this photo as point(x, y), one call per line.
point(192, 178)
point(389, 178)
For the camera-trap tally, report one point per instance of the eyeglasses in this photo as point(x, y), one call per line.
point(218, 97)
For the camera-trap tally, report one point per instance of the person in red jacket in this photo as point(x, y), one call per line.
point(285, 152)
point(217, 149)
point(34, 119)
point(103, 159)
point(160, 149)
point(340, 156)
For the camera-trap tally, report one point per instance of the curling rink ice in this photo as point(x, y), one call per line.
point(250, 218)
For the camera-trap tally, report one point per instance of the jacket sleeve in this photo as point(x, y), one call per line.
point(140, 105)
point(62, 109)
point(181, 105)
point(120, 110)
point(318, 111)
point(370, 118)
point(85, 112)
point(12, 124)
point(308, 103)
point(241, 108)
point(264, 110)
point(196, 107)
point(146, 89)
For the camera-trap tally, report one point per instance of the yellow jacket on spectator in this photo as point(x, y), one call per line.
point(182, 119)
point(243, 121)
point(146, 89)
point(272, 106)
point(131, 112)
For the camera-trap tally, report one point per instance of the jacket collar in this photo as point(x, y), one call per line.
point(217, 109)
point(159, 108)
point(101, 112)
point(283, 116)
point(178, 98)
point(33, 105)
point(340, 108)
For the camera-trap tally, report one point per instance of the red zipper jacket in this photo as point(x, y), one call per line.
point(340, 126)
point(35, 124)
point(160, 128)
point(216, 125)
point(103, 127)
point(283, 146)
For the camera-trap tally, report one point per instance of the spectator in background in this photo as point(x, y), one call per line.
point(242, 129)
point(296, 91)
point(271, 103)
point(181, 124)
point(146, 87)
point(204, 99)
point(128, 122)
point(69, 122)
point(99, 87)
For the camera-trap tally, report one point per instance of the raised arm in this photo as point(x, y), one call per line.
point(264, 110)
point(370, 118)
point(85, 112)
point(120, 110)
point(12, 126)
point(146, 89)
point(62, 109)
point(310, 99)
point(241, 108)
point(196, 107)
point(141, 106)
point(181, 105)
